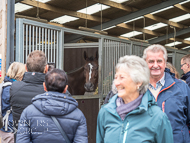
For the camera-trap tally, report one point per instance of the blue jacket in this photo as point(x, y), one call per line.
point(6, 105)
point(186, 77)
point(36, 125)
point(174, 100)
point(147, 123)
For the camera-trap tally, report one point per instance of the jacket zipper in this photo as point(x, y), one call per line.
point(125, 132)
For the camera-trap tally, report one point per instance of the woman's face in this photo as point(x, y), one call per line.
point(124, 84)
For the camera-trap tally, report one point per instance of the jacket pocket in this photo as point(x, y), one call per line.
point(178, 136)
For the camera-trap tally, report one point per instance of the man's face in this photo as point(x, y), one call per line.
point(184, 66)
point(156, 64)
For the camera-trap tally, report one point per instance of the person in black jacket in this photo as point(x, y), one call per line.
point(112, 92)
point(185, 66)
point(22, 92)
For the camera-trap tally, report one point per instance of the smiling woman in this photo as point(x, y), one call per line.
point(128, 115)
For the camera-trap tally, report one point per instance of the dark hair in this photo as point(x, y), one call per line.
point(36, 61)
point(56, 80)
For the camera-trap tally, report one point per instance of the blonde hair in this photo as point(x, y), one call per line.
point(172, 69)
point(16, 71)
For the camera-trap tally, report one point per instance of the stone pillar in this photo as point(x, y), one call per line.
point(3, 36)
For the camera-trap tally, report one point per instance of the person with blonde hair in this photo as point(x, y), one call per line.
point(185, 66)
point(15, 73)
point(172, 69)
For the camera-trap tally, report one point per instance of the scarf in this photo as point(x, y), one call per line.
point(123, 109)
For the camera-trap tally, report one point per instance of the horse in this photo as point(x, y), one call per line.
point(85, 78)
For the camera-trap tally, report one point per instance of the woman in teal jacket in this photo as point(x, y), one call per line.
point(132, 115)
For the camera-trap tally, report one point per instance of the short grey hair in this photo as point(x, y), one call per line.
point(138, 70)
point(155, 48)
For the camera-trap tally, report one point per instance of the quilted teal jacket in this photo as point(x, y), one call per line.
point(147, 123)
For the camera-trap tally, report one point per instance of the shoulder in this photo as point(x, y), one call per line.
point(188, 79)
point(30, 107)
point(7, 88)
point(181, 86)
point(104, 109)
point(178, 86)
point(16, 86)
point(28, 111)
point(78, 115)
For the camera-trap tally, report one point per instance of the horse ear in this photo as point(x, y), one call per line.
point(85, 55)
point(97, 55)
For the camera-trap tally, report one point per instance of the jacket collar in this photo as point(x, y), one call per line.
point(34, 77)
point(186, 76)
point(7, 79)
point(169, 80)
point(147, 100)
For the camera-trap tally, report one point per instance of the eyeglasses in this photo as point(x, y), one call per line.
point(183, 64)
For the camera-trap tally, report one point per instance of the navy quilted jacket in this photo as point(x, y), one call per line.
point(36, 125)
point(174, 100)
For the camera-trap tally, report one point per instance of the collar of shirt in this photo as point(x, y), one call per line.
point(161, 82)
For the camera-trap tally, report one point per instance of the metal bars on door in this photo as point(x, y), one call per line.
point(35, 36)
point(111, 52)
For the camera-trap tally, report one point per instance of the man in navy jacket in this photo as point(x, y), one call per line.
point(36, 124)
point(172, 95)
point(185, 66)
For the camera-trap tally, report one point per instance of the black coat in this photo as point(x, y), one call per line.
point(22, 92)
point(186, 77)
point(110, 95)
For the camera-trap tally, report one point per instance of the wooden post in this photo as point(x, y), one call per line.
point(3, 36)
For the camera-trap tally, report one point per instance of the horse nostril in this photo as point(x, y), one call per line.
point(90, 84)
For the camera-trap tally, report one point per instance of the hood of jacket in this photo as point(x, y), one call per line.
point(54, 103)
point(147, 101)
point(169, 79)
point(33, 77)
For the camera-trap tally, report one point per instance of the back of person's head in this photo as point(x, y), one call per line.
point(186, 58)
point(56, 80)
point(36, 62)
point(172, 69)
point(138, 70)
point(16, 71)
point(155, 48)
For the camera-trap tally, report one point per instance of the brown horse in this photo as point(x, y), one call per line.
point(85, 78)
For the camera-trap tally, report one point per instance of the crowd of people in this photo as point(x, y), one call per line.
point(148, 103)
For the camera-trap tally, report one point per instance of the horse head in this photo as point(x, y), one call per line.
point(91, 72)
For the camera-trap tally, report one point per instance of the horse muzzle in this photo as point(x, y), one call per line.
point(89, 87)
